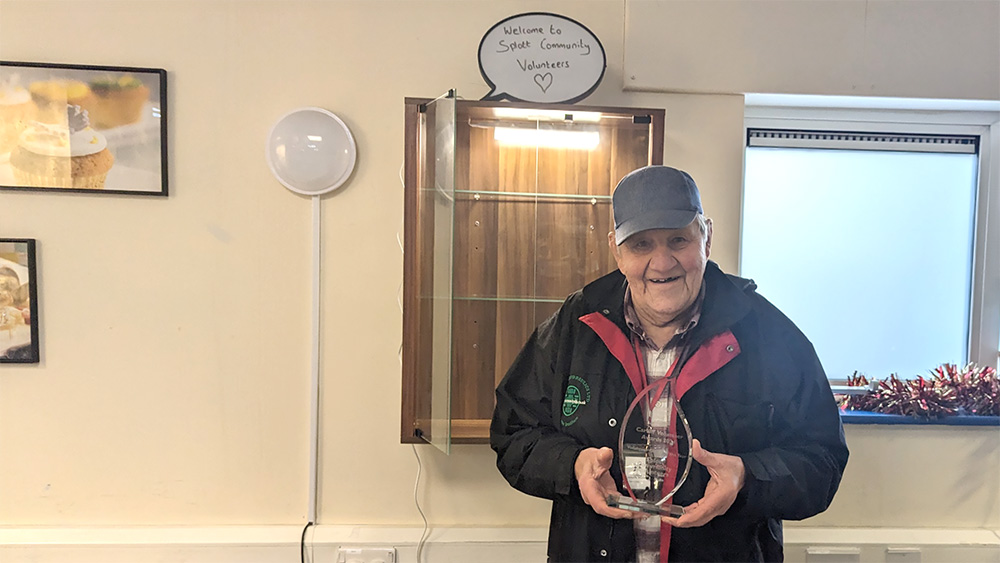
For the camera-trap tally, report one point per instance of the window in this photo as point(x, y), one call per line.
point(876, 234)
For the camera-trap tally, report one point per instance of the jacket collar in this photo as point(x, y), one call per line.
point(727, 301)
point(606, 295)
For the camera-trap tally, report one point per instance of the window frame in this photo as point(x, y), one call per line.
point(941, 117)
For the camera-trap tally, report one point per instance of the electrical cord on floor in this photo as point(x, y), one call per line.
point(424, 534)
point(302, 543)
point(416, 483)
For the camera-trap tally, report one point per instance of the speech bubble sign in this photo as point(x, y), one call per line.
point(541, 57)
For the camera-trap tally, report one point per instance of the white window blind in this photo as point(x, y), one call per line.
point(865, 240)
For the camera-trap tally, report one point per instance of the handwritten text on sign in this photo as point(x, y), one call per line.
point(541, 57)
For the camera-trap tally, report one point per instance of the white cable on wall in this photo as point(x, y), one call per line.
point(314, 398)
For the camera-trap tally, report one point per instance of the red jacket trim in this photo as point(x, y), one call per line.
point(707, 359)
point(619, 345)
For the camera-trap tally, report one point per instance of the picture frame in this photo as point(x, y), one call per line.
point(83, 128)
point(18, 302)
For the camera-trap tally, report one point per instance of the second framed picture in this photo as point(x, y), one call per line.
point(18, 302)
point(83, 128)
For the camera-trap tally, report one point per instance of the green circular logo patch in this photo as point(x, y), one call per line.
point(572, 400)
point(577, 394)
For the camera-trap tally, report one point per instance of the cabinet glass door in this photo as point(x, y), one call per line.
point(437, 199)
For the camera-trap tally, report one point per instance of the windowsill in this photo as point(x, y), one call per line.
point(861, 417)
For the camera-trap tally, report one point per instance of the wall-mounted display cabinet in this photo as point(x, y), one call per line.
point(507, 211)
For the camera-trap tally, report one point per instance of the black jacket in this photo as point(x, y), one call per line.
point(769, 403)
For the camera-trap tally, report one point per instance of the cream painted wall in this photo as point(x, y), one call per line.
point(175, 374)
point(900, 48)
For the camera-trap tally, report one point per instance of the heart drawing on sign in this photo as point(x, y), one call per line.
point(544, 81)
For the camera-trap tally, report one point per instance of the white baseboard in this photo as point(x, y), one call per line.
point(280, 544)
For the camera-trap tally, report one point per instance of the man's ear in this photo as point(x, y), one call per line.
point(708, 237)
point(614, 248)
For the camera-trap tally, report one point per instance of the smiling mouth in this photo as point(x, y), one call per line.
point(664, 280)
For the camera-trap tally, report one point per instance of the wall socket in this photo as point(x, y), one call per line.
point(902, 555)
point(366, 555)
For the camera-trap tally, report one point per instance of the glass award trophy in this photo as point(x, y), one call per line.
point(654, 447)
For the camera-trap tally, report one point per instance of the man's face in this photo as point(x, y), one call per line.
point(664, 269)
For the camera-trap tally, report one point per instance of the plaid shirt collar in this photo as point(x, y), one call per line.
point(632, 320)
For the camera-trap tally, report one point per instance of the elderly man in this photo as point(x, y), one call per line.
point(768, 445)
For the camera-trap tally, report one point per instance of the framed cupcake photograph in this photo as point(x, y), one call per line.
point(18, 302)
point(83, 128)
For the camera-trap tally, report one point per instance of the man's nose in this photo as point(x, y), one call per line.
point(663, 258)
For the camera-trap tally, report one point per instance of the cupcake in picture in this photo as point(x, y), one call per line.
point(10, 284)
point(117, 101)
point(56, 156)
point(52, 96)
point(16, 110)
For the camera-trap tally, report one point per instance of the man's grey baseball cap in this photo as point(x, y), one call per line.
point(654, 197)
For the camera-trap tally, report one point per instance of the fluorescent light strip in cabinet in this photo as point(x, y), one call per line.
point(547, 138)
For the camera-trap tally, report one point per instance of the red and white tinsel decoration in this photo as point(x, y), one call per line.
point(949, 391)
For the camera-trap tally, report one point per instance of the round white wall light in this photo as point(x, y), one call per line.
point(311, 151)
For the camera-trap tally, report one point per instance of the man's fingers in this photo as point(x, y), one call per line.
point(603, 509)
point(697, 514)
point(595, 496)
point(685, 521)
point(619, 514)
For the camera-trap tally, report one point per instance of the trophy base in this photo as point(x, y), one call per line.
point(626, 503)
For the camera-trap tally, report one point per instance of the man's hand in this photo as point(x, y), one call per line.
point(727, 475)
point(594, 478)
